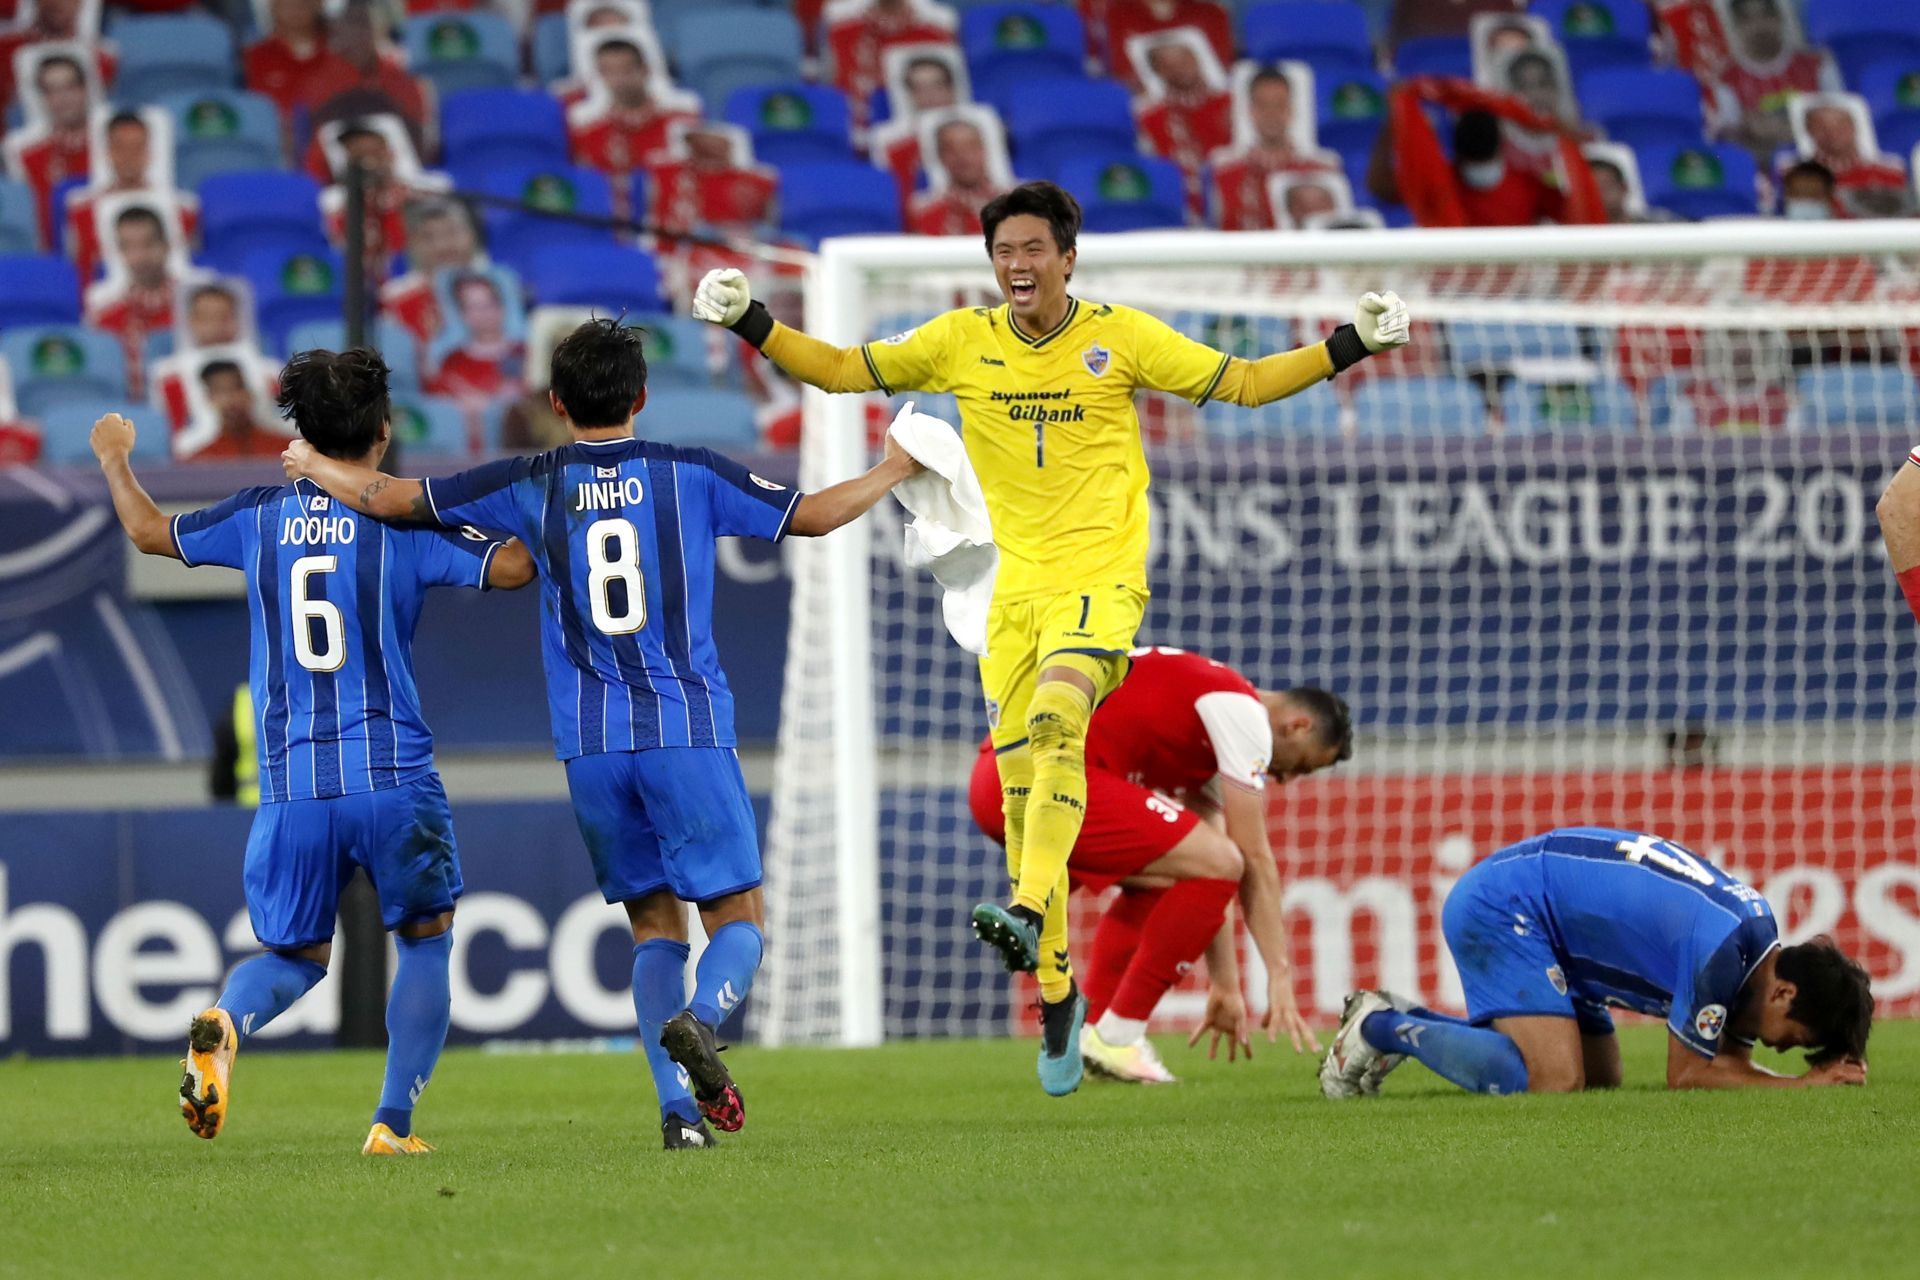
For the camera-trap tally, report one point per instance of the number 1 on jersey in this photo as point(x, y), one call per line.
point(1039, 444)
point(613, 555)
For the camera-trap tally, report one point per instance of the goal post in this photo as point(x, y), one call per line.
point(1597, 547)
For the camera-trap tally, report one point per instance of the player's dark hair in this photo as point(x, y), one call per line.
point(141, 213)
point(468, 278)
point(1530, 58)
point(1833, 999)
point(212, 367)
point(923, 61)
point(1041, 199)
point(337, 400)
point(60, 60)
point(1269, 75)
point(125, 117)
point(1332, 721)
point(599, 370)
point(1476, 137)
point(625, 45)
point(1810, 168)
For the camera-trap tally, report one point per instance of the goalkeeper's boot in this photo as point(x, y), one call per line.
point(1012, 931)
point(1352, 1067)
point(691, 1043)
point(685, 1135)
point(1060, 1025)
point(1135, 1063)
point(205, 1089)
point(383, 1141)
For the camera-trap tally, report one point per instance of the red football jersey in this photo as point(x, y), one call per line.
point(1179, 720)
point(1187, 133)
point(1128, 18)
point(274, 69)
point(1240, 186)
point(856, 51)
point(683, 197)
point(130, 316)
point(44, 165)
point(408, 301)
point(952, 213)
point(618, 142)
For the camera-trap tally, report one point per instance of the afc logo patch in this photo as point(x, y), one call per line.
point(766, 484)
point(1096, 358)
point(898, 338)
point(607, 473)
point(1709, 1021)
point(472, 534)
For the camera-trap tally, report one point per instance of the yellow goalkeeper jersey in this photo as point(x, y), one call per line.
point(1050, 428)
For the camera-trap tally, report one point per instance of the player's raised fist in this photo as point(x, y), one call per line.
point(722, 297)
point(112, 437)
point(1382, 321)
point(294, 459)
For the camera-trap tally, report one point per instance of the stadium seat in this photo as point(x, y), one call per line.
point(514, 235)
point(242, 209)
point(1419, 407)
point(501, 128)
point(1005, 43)
point(1891, 89)
point(1599, 33)
point(1598, 406)
point(172, 53)
point(1308, 29)
point(54, 362)
point(721, 50)
point(1860, 33)
point(457, 51)
point(1702, 180)
point(1644, 108)
point(291, 285)
point(610, 277)
point(429, 425)
point(840, 198)
point(1127, 194)
point(38, 289)
point(1350, 108)
point(552, 55)
point(1900, 136)
point(676, 350)
point(1851, 397)
point(1434, 56)
point(66, 423)
point(1052, 120)
point(220, 130)
point(19, 220)
point(1478, 344)
point(699, 417)
point(793, 123)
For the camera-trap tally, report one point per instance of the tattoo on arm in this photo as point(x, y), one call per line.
point(420, 510)
point(372, 491)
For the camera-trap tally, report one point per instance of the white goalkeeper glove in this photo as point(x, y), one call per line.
point(723, 297)
point(1379, 318)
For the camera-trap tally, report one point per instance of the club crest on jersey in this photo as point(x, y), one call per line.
point(1096, 358)
point(897, 338)
point(1557, 978)
point(993, 714)
point(1709, 1021)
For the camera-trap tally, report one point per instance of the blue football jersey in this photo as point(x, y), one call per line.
point(334, 597)
point(1649, 925)
point(623, 531)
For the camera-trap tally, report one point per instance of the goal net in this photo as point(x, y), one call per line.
point(1598, 547)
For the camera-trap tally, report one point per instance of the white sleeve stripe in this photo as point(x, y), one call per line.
point(173, 531)
point(426, 488)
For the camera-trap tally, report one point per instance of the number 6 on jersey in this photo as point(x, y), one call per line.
point(613, 555)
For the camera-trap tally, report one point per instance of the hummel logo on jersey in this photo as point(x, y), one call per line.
point(607, 473)
point(766, 484)
point(728, 997)
point(419, 1087)
point(1409, 1032)
point(998, 364)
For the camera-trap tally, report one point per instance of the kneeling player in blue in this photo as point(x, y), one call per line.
point(1550, 933)
point(624, 531)
point(346, 762)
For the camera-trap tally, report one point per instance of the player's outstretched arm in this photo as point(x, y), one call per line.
point(1380, 323)
point(367, 491)
point(1734, 1068)
point(1899, 512)
point(823, 512)
point(112, 442)
point(725, 299)
point(1246, 814)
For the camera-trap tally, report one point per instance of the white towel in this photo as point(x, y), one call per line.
point(950, 533)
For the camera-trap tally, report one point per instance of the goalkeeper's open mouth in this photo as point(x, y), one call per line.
point(1021, 290)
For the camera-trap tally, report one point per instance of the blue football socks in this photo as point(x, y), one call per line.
point(418, 1011)
point(726, 969)
point(1479, 1059)
point(265, 987)
point(660, 992)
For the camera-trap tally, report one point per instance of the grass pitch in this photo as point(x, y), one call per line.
point(945, 1159)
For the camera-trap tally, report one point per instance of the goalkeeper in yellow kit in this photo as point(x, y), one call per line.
point(1046, 385)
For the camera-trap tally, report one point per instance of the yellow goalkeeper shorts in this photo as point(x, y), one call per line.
point(1094, 622)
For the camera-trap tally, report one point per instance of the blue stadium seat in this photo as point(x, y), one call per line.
point(53, 362)
point(172, 53)
point(1309, 29)
point(1420, 407)
point(429, 425)
point(513, 236)
point(1600, 33)
point(610, 277)
point(1702, 180)
point(38, 289)
point(219, 130)
point(676, 350)
point(1434, 56)
point(1350, 108)
point(1644, 108)
point(242, 208)
point(1127, 194)
point(19, 219)
point(457, 51)
point(677, 415)
point(486, 128)
point(1855, 396)
point(1005, 43)
point(1052, 120)
point(1860, 33)
point(317, 335)
point(1891, 88)
point(794, 122)
point(841, 198)
point(1316, 413)
point(1899, 136)
point(66, 423)
point(1481, 344)
point(291, 285)
point(552, 55)
point(402, 354)
point(720, 50)
point(1598, 406)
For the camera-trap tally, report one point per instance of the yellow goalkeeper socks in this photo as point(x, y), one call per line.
point(1055, 974)
point(1016, 783)
point(1057, 738)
